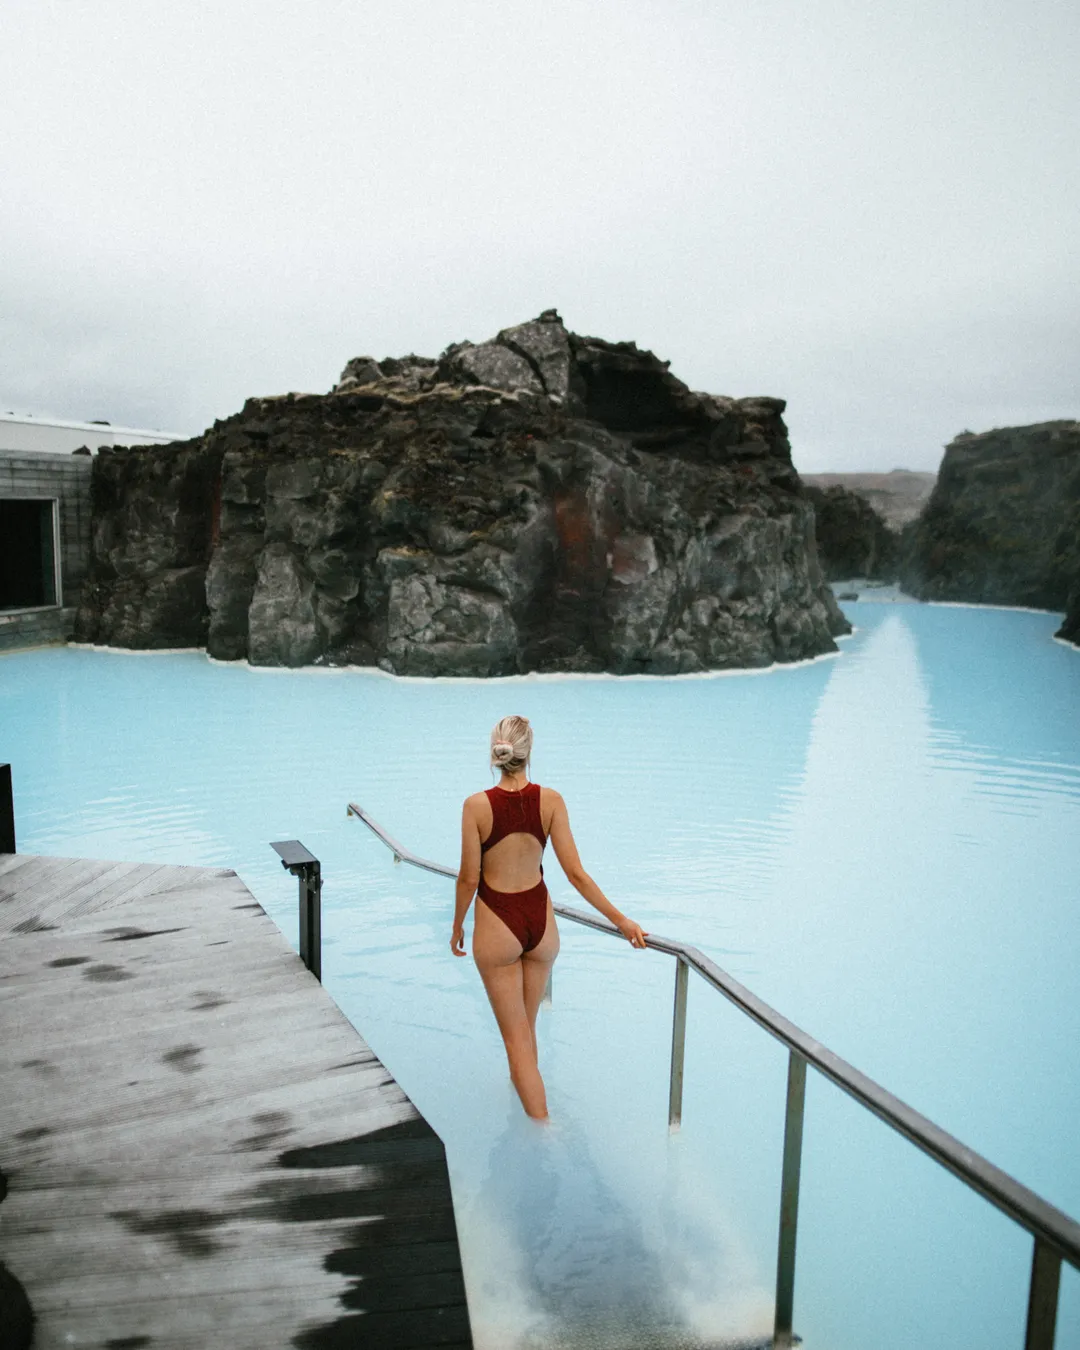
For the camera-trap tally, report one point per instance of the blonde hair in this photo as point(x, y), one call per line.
point(511, 744)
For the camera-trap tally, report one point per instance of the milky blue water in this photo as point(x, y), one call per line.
point(882, 844)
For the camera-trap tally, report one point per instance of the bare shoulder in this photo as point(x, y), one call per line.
point(550, 804)
point(475, 802)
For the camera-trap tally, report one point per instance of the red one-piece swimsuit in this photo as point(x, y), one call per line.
point(523, 912)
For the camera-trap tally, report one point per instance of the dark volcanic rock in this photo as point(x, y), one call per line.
point(542, 501)
point(852, 539)
point(150, 543)
point(1003, 524)
point(1070, 629)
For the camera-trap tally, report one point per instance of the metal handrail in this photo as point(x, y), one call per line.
point(1057, 1236)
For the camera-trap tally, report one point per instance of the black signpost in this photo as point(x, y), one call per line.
point(7, 811)
point(296, 859)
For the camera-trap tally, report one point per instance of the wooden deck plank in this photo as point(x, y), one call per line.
point(141, 1108)
point(46, 902)
point(65, 880)
point(164, 882)
point(193, 1131)
point(159, 1075)
point(102, 887)
point(205, 1321)
point(102, 882)
point(171, 878)
point(129, 891)
point(267, 1121)
point(67, 894)
point(45, 879)
point(19, 896)
point(11, 862)
point(116, 893)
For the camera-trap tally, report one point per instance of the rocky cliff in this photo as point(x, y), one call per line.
point(542, 501)
point(1003, 523)
point(852, 538)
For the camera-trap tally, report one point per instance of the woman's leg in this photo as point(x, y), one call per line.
point(498, 958)
point(536, 970)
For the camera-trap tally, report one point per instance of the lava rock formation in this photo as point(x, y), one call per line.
point(542, 501)
point(1003, 524)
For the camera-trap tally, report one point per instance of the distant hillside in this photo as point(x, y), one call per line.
point(897, 497)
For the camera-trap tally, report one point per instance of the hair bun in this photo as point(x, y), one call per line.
point(511, 742)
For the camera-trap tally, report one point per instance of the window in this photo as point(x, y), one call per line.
point(27, 554)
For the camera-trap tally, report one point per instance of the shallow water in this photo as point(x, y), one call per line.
point(880, 844)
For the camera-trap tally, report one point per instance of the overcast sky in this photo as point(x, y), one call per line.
point(869, 209)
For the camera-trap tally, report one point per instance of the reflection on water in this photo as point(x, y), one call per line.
point(882, 845)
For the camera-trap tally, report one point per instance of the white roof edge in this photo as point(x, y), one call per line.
point(96, 427)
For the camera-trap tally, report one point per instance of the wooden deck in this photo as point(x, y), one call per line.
point(199, 1148)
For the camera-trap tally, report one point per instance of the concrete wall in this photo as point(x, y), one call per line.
point(67, 479)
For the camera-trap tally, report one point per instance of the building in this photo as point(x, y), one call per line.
point(50, 435)
point(45, 521)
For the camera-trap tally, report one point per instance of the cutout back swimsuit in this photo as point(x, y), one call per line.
point(523, 912)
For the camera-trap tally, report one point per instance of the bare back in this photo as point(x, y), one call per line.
point(513, 864)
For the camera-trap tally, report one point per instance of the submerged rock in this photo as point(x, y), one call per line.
point(1003, 524)
point(542, 501)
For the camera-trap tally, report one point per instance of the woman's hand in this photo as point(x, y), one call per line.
point(457, 939)
point(632, 932)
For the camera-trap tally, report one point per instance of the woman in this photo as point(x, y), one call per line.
point(515, 941)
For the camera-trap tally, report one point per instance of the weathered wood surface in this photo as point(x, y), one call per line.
point(200, 1149)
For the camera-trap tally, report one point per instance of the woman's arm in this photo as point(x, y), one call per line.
point(566, 851)
point(468, 877)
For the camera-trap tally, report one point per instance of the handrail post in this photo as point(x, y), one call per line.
point(7, 811)
point(678, 1044)
point(296, 859)
point(789, 1200)
point(1043, 1298)
point(311, 919)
